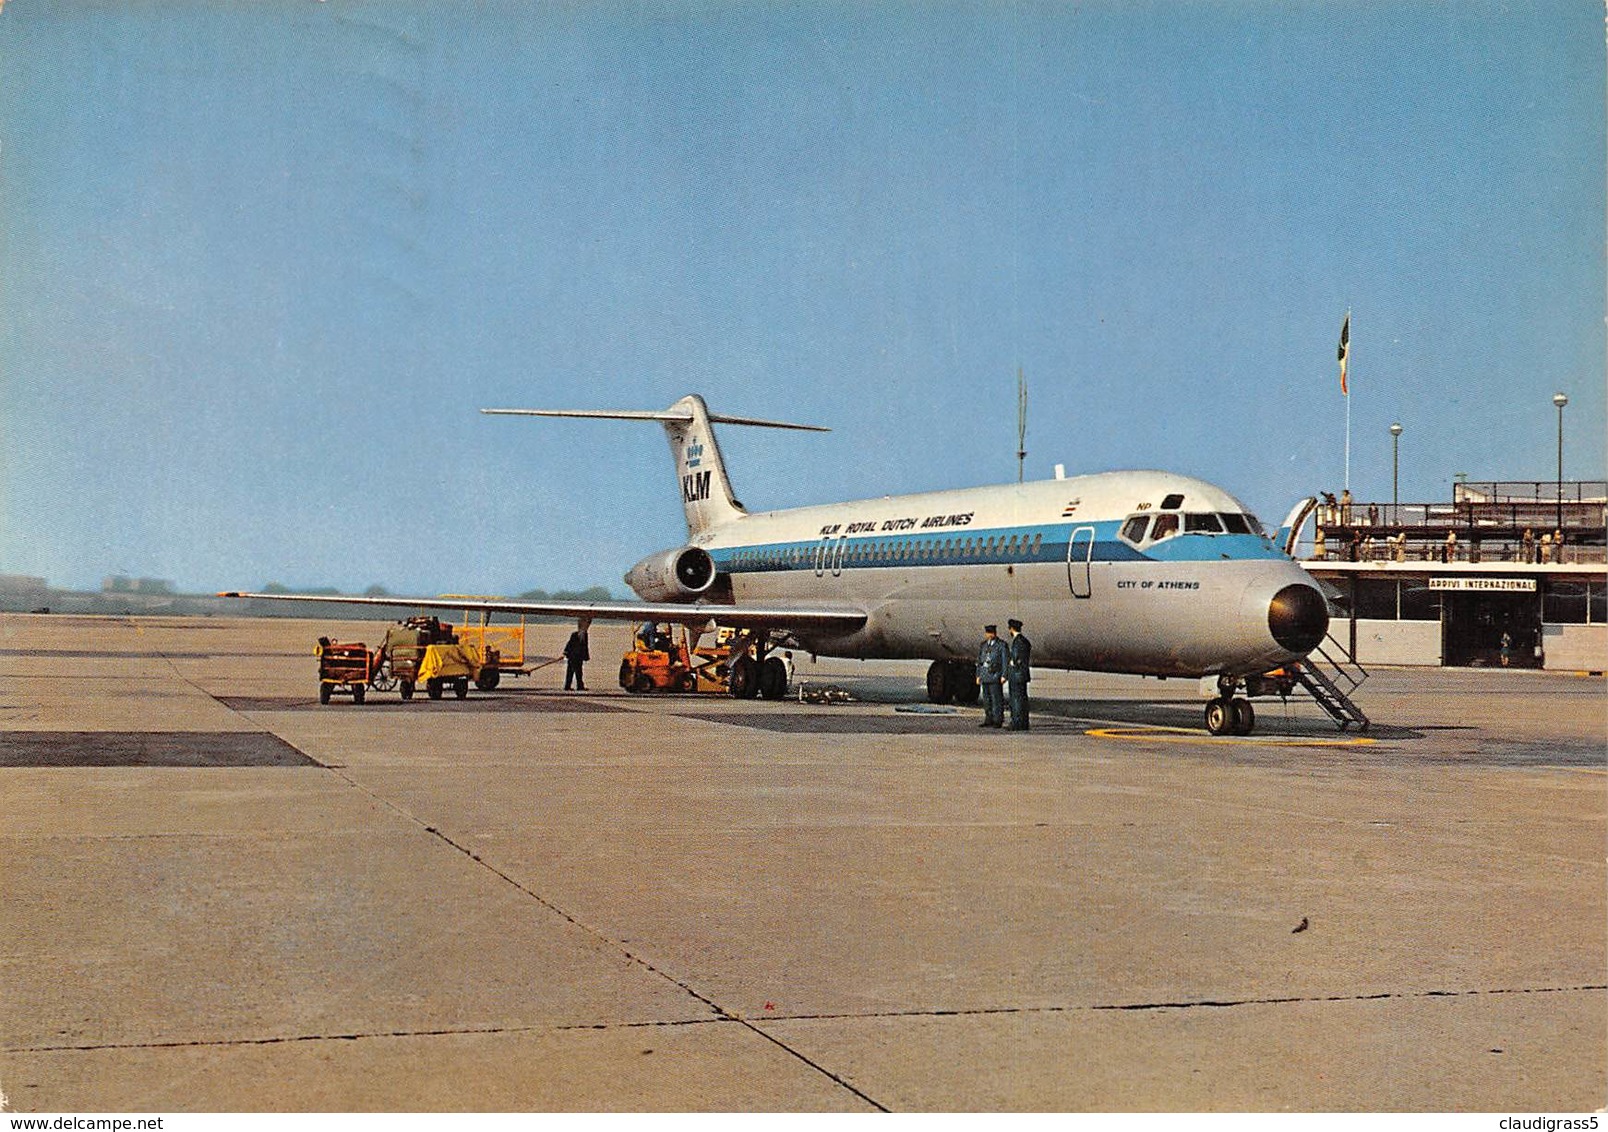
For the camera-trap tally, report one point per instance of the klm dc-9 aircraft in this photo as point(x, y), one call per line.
point(1132, 572)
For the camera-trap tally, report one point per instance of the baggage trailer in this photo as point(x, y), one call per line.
point(344, 666)
point(504, 645)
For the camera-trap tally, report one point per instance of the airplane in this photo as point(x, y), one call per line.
point(1142, 572)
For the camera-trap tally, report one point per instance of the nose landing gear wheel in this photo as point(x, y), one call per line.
point(1225, 716)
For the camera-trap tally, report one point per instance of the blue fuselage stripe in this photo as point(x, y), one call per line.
point(991, 547)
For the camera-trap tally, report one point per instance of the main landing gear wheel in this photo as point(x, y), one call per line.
point(743, 680)
point(773, 678)
point(952, 681)
point(963, 682)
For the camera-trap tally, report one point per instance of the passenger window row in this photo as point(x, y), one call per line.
point(862, 552)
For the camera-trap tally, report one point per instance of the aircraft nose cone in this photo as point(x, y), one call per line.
point(1298, 617)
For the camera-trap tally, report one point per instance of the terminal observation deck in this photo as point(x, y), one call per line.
point(1503, 521)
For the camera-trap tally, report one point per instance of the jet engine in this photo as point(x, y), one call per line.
point(673, 575)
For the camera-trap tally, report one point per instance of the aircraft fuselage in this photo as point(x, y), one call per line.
point(930, 570)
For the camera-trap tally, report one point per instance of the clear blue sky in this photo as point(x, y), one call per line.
point(260, 264)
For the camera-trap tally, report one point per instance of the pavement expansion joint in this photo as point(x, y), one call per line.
point(727, 1018)
point(1182, 1004)
point(288, 1039)
point(723, 1014)
point(720, 1013)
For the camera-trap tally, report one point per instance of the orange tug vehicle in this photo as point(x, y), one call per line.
point(420, 650)
point(665, 658)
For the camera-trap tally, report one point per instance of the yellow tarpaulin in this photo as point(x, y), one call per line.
point(448, 661)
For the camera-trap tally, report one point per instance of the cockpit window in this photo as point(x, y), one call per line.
point(1134, 529)
point(1202, 523)
point(1166, 525)
point(1173, 502)
point(1235, 524)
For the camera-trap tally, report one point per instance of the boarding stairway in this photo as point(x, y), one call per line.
point(1332, 677)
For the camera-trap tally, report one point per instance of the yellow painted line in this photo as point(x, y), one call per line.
point(1185, 735)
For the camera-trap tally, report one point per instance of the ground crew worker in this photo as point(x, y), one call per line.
point(991, 659)
point(1018, 671)
point(576, 654)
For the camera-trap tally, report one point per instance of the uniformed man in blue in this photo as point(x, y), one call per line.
point(991, 660)
point(1018, 671)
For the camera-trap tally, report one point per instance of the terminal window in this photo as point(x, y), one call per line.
point(1419, 602)
point(1375, 599)
point(1564, 603)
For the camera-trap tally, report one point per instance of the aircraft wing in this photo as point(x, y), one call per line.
point(832, 619)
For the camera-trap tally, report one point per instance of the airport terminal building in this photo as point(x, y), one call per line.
point(1505, 573)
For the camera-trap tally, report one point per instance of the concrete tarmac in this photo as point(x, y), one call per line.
point(221, 896)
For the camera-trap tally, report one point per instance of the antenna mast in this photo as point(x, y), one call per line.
point(1021, 422)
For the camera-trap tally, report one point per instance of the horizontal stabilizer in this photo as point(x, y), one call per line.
point(683, 416)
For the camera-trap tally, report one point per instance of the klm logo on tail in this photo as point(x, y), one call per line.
point(695, 487)
point(695, 452)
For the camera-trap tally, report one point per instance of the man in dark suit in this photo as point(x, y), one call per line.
point(1018, 671)
point(577, 654)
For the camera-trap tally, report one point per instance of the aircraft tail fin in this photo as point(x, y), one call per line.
point(706, 493)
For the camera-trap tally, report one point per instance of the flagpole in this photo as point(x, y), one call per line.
point(1348, 442)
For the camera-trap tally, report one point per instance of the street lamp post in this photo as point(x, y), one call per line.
point(1395, 472)
point(1560, 400)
